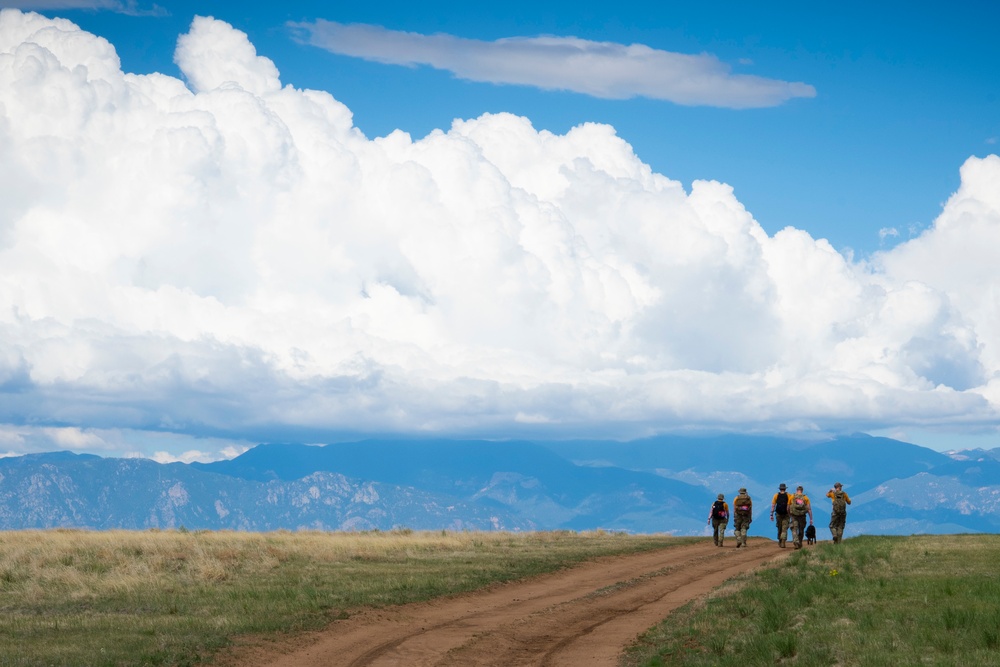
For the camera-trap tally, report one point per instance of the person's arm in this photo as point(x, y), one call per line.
point(774, 503)
point(809, 506)
point(847, 498)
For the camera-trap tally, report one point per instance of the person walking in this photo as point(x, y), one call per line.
point(838, 515)
point(742, 517)
point(799, 508)
point(718, 516)
point(779, 513)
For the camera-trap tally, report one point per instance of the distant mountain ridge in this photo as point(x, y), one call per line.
point(67, 490)
point(661, 484)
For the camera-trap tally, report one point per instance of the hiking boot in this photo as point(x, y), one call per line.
point(738, 545)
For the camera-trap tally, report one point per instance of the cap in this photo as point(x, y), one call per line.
point(743, 489)
point(799, 488)
point(781, 487)
point(721, 497)
point(837, 485)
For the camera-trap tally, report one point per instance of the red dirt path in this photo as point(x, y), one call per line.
point(580, 616)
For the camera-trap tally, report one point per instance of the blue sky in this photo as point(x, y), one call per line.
point(848, 123)
point(905, 92)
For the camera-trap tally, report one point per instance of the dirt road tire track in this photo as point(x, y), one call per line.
point(581, 616)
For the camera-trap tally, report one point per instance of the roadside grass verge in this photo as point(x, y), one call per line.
point(871, 601)
point(120, 598)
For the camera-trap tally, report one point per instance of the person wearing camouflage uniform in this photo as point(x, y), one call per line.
point(799, 508)
point(742, 517)
point(718, 516)
point(838, 516)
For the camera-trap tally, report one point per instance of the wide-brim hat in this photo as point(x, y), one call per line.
point(781, 487)
point(721, 497)
point(743, 490)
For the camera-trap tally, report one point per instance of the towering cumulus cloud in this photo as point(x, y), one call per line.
point(227, 255)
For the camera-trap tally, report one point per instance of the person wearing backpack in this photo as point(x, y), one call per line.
point(718, 516)
point(838, 515)
point(799, 508)
point(742, 517)
point(779, 513)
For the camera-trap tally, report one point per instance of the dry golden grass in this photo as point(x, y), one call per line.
point(74, 597)
point(85, 562)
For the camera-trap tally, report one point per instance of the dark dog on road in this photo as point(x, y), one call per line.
point(811, 534)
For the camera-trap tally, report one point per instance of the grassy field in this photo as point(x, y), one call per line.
point(173, 598)
point(71, 598)
point(870, 601)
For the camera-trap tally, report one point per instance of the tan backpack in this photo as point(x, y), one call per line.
point(839, 502)
point(798, 506)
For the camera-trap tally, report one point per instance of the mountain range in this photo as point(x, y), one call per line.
point(661, 484)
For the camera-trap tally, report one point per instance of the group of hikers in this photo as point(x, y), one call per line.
point(788, 511)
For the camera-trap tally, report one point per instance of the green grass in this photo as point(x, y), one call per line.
point(71, 598)
point(870, 601)
point(174, 598)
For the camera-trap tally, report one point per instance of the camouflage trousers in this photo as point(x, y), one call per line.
point(718, 531)
point(837, 523)
point(741, 524)
point(798, 525)
point(781, 522)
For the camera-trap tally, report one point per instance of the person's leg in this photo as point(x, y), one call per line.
point(720, 532)
point(838, 522)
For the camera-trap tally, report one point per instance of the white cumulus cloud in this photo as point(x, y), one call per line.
point(228, 257)
point(600, 69)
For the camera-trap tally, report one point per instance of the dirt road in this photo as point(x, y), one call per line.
point(582, 616)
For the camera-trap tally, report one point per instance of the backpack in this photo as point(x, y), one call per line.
point(781, 504)
point(719, 510)
point(798, 506)
point(839, 503)
point(743, 505)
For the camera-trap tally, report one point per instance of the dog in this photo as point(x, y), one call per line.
point(811, 535)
